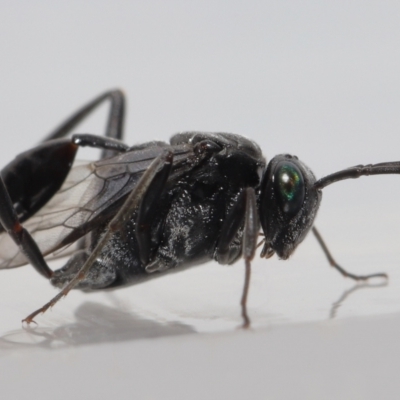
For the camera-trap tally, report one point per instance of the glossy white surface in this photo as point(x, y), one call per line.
point(315, 79)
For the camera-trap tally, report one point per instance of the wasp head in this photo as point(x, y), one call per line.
point(288, 204)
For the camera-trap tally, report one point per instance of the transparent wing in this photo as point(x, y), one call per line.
point(90, 195)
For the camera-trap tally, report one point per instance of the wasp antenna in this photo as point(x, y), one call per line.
point(359, 170)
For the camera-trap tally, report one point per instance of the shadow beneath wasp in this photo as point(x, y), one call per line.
point(95, 323)
point(358, 286)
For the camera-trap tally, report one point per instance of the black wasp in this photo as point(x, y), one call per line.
point(153, 208)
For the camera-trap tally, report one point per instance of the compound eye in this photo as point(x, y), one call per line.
point(289, 185)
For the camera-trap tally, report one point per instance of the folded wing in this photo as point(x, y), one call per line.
point(89, 197)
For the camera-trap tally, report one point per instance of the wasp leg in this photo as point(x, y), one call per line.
point(125, 213)
point(30, 180)
point(334, 264)
point(227, 250)
point(26, 184)
point(115, 119)
point(146, 215)
point(250, 235)
point(99, 142)
point(34, 176)
point(101, 275)
point(10, 222)
point(245, 209)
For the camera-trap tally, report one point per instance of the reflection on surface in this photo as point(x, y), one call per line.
point(95, 323)
point(338, 303)
point(98, 323)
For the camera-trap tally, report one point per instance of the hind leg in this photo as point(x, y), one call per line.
point(102, 273)
point(31, 180)
point(157, 172)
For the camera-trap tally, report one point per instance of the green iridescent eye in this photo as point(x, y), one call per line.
point(289, 184)
point(289, 181)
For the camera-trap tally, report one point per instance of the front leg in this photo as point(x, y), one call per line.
point(229, 245)
point(244, 212)
point(335, 265)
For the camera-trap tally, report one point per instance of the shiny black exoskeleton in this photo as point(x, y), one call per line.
point(144, 210)
point(187, 220)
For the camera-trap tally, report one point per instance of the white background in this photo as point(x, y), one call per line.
point(319, 79)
